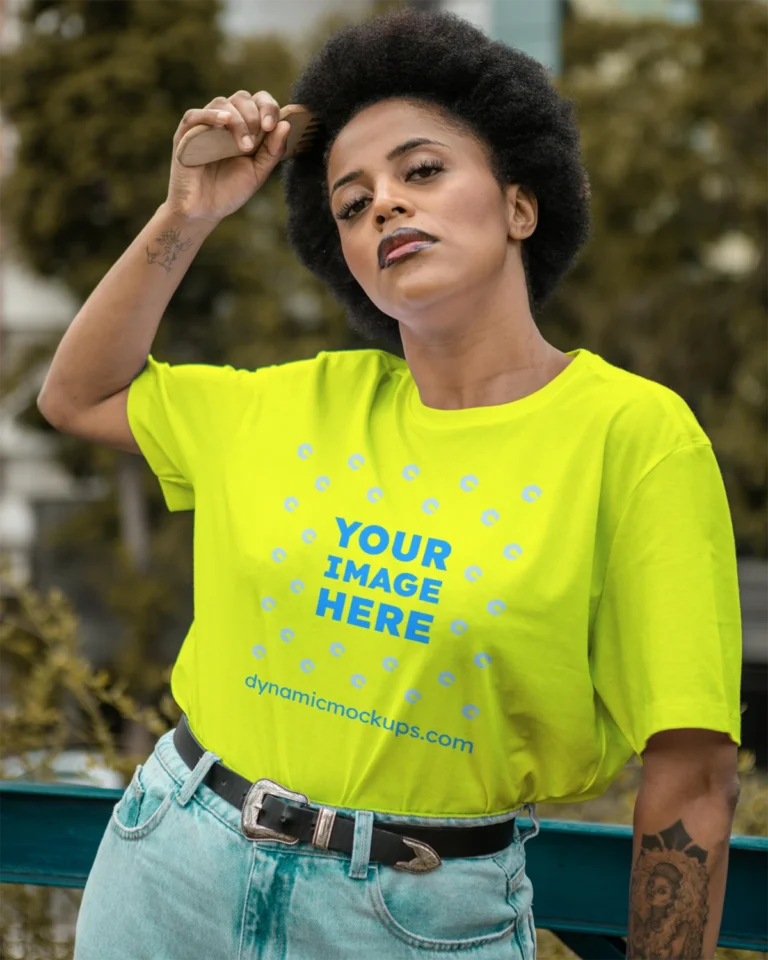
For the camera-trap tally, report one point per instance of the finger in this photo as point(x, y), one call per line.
point(237, 126)
point(213, 116)
point(277, 139)
point(269, 109)
point(272, 151)
point(250, 113)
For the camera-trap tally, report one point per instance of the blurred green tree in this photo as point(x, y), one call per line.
point(672, 286)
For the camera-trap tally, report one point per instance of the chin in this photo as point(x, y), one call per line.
point(415, 290)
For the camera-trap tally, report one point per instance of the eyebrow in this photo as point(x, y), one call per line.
point(392, 155)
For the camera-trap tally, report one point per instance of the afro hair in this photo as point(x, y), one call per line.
point(492, 91)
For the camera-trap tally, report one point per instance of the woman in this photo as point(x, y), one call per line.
point(428, 592)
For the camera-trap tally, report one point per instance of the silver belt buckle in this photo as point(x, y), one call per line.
point(425, 861)
point(252, 809)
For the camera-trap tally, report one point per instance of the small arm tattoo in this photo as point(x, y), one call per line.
point(668, 898)
point(172, 246)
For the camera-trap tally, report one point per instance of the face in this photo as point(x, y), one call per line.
point(659, 891)
point(444, 188)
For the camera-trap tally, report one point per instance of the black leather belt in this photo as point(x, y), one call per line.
point(272, 812)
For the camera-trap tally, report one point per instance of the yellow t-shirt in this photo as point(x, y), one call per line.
point(443, 612)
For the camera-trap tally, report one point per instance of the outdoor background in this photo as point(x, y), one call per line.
point(95, 588)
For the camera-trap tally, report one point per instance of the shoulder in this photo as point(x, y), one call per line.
point(366, 362)
point(334, 372)
point(213, 391)
point(639, 410)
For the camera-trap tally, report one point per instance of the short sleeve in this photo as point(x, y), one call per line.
point(181, 416)
point(665, 649)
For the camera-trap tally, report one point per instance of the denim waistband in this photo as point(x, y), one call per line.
point(173, 763)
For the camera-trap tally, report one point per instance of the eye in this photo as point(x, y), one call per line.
point(426, 166)
point(347, 210)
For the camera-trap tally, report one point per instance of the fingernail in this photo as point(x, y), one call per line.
point(247, 142)
point(268, 123)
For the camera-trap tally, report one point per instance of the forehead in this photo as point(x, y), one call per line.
point(376, 129)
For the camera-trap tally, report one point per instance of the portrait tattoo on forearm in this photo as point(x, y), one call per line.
point(172, 246)
point(668, 898)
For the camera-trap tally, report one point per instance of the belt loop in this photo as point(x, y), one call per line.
point(361, 847)
point(533, 831)
point(196, 776)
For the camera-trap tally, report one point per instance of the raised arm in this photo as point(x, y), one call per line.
point(107, 344)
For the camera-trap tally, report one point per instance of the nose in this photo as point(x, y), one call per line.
point(387, 202)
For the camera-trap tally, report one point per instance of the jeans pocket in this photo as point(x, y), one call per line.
point(466, 903)
point(145, 802)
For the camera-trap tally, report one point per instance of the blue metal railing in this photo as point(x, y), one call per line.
point(49, 835)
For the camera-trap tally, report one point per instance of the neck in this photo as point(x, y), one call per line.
point(473, 355)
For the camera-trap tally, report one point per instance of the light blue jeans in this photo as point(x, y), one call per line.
point(175, 879)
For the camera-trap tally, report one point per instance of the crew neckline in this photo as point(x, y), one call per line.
point(495, 413)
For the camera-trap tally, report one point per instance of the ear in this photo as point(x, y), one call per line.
point(523, 211)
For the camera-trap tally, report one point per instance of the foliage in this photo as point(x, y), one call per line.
point(53, 696)
point(54, 700)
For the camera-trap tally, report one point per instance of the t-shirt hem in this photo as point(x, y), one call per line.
point(698, 715)
point(500, 815)
point(178, 496)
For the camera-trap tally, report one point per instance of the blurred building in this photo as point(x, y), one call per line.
point(679, 11)
point(534, 25)
point(30, 311)
point(291, 18)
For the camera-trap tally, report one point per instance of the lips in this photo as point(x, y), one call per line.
point(400, 237)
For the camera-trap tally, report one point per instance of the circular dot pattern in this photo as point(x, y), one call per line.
point(377, 541)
